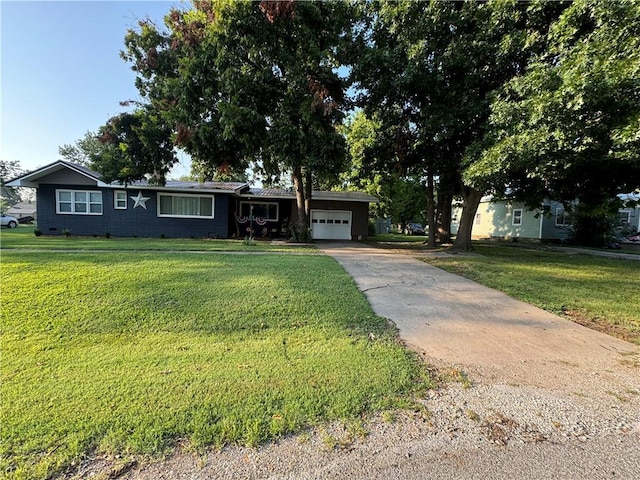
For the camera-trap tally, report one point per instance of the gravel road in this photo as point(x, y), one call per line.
point(477, 431)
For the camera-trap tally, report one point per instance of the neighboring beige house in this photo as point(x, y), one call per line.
point(506, 219)
point(630, 217)
point(22, 209)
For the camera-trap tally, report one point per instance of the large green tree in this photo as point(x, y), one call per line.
point(135, 146)
point(428, 69)
point(9, 169)
point(250, 82)
point(400, 194)
point(569, 127)
point(83, 150)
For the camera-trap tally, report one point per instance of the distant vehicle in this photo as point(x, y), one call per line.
point(414, 229)
point(8, 221)
point(26, 220)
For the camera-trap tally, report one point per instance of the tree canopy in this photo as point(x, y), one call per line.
point(429, 70)
point(9, 169)
point(522, 99)
point(135, 146)
point(250, 82)
point(569, 127)
point(83, 150)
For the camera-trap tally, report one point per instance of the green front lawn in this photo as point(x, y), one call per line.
point(601, 293)
point(24, 238)
point(132, 352)
point(397, 238)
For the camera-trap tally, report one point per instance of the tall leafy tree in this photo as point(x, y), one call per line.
point(136, 145)
point(9, 169)
point(246, 82)
point(82, 150)
point(400, 195)
point(430, 68)
point(569, 127)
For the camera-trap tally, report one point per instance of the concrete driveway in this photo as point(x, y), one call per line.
point(455, 321)
point(560, 400)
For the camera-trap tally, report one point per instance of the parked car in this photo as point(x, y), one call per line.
point(26, 220)
point(8, 221)
point(414, 229)
point(633, 238)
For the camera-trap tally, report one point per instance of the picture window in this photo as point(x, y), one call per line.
point(185, 206)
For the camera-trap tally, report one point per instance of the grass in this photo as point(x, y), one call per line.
point(24, 238)
point(397, 238)
point(595, 291)
point(130, 353)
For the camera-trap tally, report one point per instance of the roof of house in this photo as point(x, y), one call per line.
point(316, 195)
point(26, 208)
point(633, 196)
point(31, 179)
point(239, 188)
point(211, 187)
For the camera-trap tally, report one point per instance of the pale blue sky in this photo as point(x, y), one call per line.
point(62, 74)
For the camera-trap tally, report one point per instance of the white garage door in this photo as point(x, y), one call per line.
point(331, 224)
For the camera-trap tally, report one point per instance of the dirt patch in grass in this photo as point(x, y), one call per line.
point(603, 327)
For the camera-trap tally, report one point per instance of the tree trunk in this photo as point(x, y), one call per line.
point(431, 211)
point(444, 218)
point(308, 189)
point(301, 226)
point(470, 203)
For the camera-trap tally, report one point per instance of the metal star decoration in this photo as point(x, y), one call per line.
point(140, 201)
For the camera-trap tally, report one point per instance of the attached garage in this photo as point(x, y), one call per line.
point(332, 215)
point(331, 224)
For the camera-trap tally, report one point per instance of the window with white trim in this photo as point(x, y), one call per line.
point(185, 206)
point(120, 200)
point(517, 217)
point(561, 217)
point(478, 220)
point(266, 210)
point(79, 202)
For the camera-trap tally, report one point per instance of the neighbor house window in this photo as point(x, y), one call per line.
point(478, 219)
point(561, 217)
point(78, 202)
point(623, 218)
point(185, 206)
point(517, 217)
point(120, 200)
point(265, 210)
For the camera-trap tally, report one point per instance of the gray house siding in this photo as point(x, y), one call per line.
point(130, 222)
point(634, 217)
point(495, 219)
point(500, 218)
point(550, 229)
point(69, 177)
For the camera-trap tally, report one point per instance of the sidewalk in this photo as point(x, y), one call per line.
point(599, 253)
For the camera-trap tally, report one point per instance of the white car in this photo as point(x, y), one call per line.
point(8, 221)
